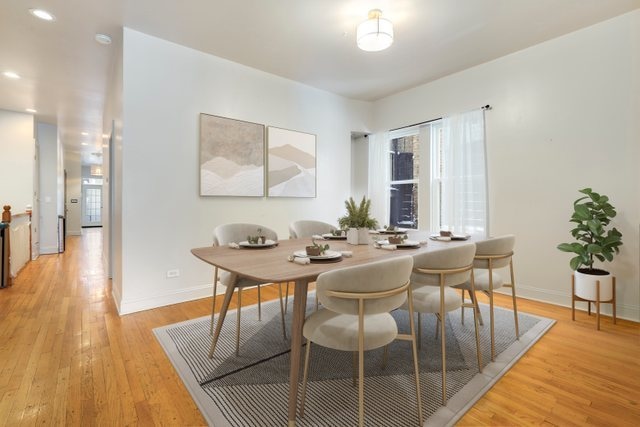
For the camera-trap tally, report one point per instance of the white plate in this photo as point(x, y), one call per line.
point(396, 231)
point(326, 255)
point(330, 236)
point(405, 244)
point(453, 237)
point(267, 244)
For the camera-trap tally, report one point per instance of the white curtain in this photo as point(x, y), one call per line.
point(464, 203)
point(378, 190)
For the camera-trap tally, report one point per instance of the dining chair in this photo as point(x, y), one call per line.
point(355, 316)
point(223, 235)
point(308, 228)
point(491, 254)
point(434, 274)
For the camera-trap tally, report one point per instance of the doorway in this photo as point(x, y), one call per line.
point(92, 206)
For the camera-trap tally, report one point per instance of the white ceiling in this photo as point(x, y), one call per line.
point(65, 72)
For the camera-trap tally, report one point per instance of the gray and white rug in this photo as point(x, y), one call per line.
point(252, 389)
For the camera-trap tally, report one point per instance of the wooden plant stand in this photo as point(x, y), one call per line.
point(597, 302)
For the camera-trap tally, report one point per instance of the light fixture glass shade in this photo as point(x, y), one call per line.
point(374, 34)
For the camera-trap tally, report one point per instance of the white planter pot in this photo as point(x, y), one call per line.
point(585, 286)
point(358, 236)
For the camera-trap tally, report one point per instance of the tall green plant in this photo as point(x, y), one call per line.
point(594, 240)
point(358, 216)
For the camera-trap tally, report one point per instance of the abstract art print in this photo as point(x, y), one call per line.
point(231, 157)
point(291, 166)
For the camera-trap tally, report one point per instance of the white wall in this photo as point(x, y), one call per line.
point(17, 160)
point(359, 167)
point(48, 144)
point(112, 174)
point(72, 164)
point(565, 116)
point(166, 87)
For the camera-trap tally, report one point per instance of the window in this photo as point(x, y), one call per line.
point(405, 167)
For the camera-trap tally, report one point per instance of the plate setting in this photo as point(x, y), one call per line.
point(267, 244)
point(441, 238)
point(329, 236)
point(327, 256)
point(407, 244)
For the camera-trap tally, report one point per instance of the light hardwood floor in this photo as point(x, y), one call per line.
point(67, 358)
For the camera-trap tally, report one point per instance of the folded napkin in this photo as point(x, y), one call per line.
point(302, 260)
point(388, 247)
point(234, 245)
point(423, 242)
point(347, 254)
point(317, 237)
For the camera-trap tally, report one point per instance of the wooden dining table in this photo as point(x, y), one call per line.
point(271, 265)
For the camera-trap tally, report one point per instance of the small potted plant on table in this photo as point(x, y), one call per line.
point(315, 249)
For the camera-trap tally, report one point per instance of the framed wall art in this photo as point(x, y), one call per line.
point(231, 157)
point(291, 164)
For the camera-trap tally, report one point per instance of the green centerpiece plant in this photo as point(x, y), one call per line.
point(358, 221)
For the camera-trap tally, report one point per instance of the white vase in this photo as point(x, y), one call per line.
point(585, 286)
point(352, 236)
point(358, 236)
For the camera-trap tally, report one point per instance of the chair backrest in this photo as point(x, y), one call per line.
point(500, 246)
point(227, 233)
point(307, 228)
point(447, 259)
point(368, 278)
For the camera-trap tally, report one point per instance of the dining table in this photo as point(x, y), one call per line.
point(272, 264)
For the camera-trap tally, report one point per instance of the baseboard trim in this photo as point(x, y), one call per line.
point(169, 298)
point(563, 299)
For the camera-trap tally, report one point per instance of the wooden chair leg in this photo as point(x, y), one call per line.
point(213, 304)
point(361, 363)
point(282, 312)
point(475, 323)
point(354, 365)
point(513, 298)
point(443, 343)
point(259, 305)
point(419, 331)
point(385, 356)
point(238, 310)
point(462, 308)
point(286, 298)
point(304, 378)
point(491, 315)
point(414, 350)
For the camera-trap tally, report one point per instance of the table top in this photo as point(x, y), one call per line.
point(271, 264)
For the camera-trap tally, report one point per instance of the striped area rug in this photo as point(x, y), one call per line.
point(252, 389)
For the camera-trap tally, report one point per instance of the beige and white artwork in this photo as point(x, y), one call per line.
point(291, 163)
point(231, 157)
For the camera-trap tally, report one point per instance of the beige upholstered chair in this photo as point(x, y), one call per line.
point(223, 235)
point(357, 301)
point(434, 273)
point(491, 254)
point(307, 228)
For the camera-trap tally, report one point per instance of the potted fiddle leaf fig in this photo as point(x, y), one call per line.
point(595, 240)
point(358, 221)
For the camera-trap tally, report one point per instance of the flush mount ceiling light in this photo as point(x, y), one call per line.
point(376, 33)
point(42, 14)
point(103, 38)
point(11, 75)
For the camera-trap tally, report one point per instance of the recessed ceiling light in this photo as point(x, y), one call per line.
point(84, 143)
point(11, 75)
point(103, 38)
point(42, 14)
point(85, 133)
point(31, 110)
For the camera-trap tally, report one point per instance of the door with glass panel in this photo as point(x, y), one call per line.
point(92, 206)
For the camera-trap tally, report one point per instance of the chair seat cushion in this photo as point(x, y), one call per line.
point(340, 331)
point(426, 299)
point(482, 281)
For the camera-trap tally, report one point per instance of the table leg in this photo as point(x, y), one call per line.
point(299, 308)
point(223, 312)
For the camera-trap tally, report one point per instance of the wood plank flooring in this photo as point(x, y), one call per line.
point(68, 358)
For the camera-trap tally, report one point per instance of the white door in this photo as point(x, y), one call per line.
point(92, 209)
